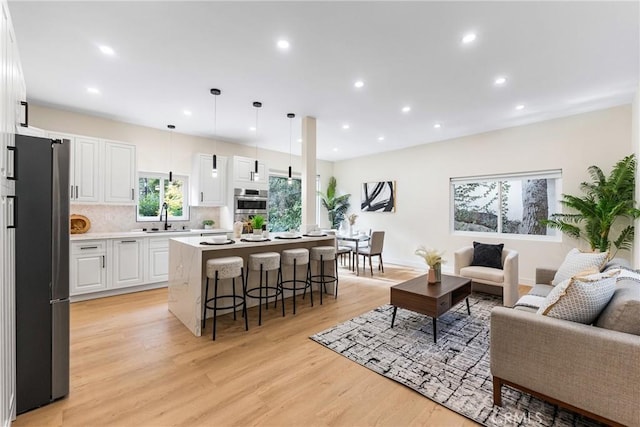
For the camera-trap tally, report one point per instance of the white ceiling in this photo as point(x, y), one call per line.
point(560, 58)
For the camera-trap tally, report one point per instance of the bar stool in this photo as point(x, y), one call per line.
point(220, 269)
point(295, 257)
point(265, 262)
point(323, 254)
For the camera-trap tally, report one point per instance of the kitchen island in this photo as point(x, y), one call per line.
point(187, 270)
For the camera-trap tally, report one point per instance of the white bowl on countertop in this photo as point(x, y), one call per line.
point(219, 239)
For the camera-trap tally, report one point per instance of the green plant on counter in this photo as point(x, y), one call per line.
point(208, 222)
point(257, 222)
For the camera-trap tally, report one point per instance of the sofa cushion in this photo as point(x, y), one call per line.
point(483, 273)
point(623, 311)
point(534, 299)
point(616, 263)
point(577, 262)
point(581, 298)
point(485, 255)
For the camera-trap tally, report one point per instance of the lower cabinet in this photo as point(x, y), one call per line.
point(158, 265)
point(88, 269)
point(128, 263)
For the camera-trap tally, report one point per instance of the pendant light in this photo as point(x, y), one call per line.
point(290, 116)
point(171, 128)
point(256, 175)
point(214, 169)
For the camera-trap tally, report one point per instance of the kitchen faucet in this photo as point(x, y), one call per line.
point(165, 208)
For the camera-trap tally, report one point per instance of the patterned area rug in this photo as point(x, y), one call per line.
point(454, 372)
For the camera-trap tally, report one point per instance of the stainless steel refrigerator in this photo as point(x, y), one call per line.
point(42, 271)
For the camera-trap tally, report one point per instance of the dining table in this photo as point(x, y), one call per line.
point(357, 239)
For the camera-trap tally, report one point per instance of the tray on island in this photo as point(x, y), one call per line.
point(288, 237)
point(228, 242)
point(315, 235)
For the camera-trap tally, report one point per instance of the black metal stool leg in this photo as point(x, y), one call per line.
point(322, 286)
point(204, 310)
point(294, 285)
point(260, 299)
point(310, 284)
point(281, 290)
point(233, 281)
point(215, 305)
point(244, 301)
point(336, 293)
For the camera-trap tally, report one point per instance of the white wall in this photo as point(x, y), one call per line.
point(422, 177)
point(635, 141)
point(155, 152)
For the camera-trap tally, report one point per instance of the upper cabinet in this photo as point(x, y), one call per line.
point(207, 190)
point(101, 171)
point(120, 173)
point(244, 171)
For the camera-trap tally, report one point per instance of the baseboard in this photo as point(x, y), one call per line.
point(119, 291)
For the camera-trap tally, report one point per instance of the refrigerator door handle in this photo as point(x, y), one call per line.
point(14, 171)
point(25, 104)
point(14, 209)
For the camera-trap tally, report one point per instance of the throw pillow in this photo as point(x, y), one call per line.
point(576, 262)
point(485, 255)
point(581, 298)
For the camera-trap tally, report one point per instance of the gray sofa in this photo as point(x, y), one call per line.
point(590, 369)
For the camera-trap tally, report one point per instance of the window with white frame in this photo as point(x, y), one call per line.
point(505, 204)
point(154, 189)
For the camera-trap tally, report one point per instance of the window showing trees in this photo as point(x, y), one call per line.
point(507, 204)
point(285, 203)
point(155, 189)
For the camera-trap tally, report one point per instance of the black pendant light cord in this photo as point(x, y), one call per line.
point(290, 116)
point(216, 92)
point(256, 176)
point(171, 128)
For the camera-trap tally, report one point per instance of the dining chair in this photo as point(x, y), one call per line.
point(376, 243)
point(341, 250)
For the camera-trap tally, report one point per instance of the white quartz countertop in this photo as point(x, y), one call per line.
point(195, 241)
point(129, 234)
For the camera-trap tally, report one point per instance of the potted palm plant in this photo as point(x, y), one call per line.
point(335, 205)
point(608, 203)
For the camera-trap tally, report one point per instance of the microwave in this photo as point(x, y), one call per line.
point(250, 201)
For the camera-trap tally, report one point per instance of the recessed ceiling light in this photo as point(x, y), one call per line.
point(93, 90)
point(520, 107)
point(406, 109)
point(359, 84)
point(468, 38)
point(187, 112)
point(283, 44)
point(107, 50)
point(437, 126)
point(345, 126)
point(381, 138)
point(252, 128)
point(499, 81)
point(335, 149)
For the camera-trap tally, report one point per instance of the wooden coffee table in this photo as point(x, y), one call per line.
point(431, 299)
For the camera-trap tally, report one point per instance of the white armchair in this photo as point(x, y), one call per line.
point(507, 278)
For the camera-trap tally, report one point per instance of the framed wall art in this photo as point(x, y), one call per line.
point(378, 196)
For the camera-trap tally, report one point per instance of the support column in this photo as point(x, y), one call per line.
point(308, 174)
point(635, 142)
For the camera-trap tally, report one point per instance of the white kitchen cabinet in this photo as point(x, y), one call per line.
point(88, 267)
point(84, 173)
point(158, 260)
point(128, 263)
point(120, 173)
point(205, 189)
point(100, 171)
point(12, 94)
point(243, 171)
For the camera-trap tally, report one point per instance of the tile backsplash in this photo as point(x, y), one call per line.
point(109, 218)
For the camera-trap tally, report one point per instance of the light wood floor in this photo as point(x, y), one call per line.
point(133, 363)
